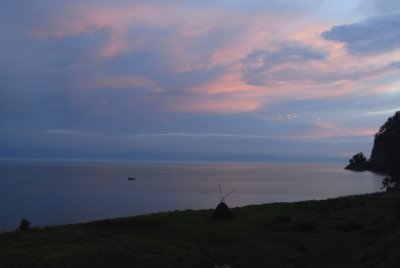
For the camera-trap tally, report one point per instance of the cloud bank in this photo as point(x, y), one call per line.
point(96, 72)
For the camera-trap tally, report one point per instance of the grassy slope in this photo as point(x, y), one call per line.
point(358, 231)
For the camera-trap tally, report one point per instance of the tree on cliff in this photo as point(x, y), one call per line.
point(358, 159)
point(358, 162)
point(391, 123)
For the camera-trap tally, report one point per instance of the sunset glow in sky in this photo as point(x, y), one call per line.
point(196, 80)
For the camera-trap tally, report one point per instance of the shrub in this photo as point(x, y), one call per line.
point(24, 225)
point(358, 159)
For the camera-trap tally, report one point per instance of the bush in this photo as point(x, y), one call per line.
point(358, 159)
point(24, 225)
point(390, 183)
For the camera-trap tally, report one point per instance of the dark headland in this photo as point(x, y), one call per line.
point(354, 231)
point(385, 155)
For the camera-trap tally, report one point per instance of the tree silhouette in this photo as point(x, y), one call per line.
point(24, 225)
point(390, 182)
point(358, 159)
point(389, 124)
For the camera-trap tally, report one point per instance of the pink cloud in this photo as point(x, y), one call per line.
point(228, 83)
point(116, 20)
point(341, 74)
point(218, 106)
point(337, 75)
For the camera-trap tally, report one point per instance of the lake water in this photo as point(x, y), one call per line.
point(60, 192)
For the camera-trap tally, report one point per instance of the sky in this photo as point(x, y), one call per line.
point(210, 80)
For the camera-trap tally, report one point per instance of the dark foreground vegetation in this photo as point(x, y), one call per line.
point(357, 231)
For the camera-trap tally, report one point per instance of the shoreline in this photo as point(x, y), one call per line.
point(350, 231)
point(60, 194)
point(41, 227)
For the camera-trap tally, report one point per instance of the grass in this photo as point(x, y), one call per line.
point(356, 231)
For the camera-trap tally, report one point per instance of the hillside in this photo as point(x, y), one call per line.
point(358, 231)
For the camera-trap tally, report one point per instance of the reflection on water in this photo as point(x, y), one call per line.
point(49, 193)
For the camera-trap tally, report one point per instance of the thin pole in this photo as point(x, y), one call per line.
point(226, 196)
point(220, 193)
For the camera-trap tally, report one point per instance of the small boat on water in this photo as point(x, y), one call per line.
point(131, 179)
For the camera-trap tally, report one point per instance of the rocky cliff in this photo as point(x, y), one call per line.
point(385, 156)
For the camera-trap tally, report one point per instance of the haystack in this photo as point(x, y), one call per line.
point(222, 212)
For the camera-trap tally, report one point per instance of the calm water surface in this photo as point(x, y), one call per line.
point(56, 192)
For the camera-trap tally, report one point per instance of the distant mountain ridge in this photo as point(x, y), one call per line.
point(385, 155)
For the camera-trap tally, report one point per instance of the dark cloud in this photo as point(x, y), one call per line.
point(278, 61)
point(375, 35)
